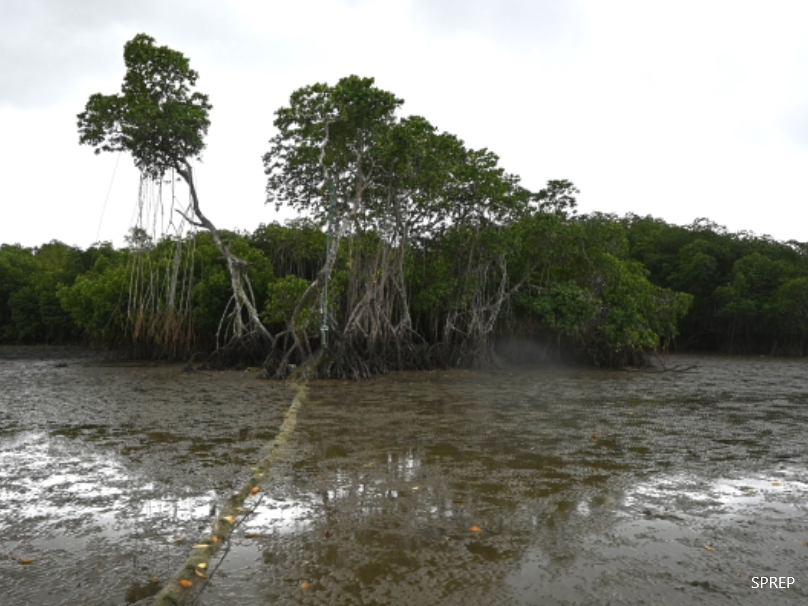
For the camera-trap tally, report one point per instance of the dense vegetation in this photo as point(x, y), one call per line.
point(601, 289)
point(750, 293)
point(411, 250)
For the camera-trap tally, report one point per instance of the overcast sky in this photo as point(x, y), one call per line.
point(680, 109)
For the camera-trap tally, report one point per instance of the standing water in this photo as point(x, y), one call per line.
point(547, 485)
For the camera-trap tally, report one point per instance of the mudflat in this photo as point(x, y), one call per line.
point(526, 485)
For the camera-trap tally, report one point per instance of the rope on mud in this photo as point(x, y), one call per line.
point(189, 581)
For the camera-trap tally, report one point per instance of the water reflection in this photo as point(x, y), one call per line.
point(80, 512)
point(574, 504)
point(780, 491)
point(279, 517)
point(71, 485)
point(551, 486)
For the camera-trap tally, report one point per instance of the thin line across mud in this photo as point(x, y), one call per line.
point(547, 485)
point(190, 580)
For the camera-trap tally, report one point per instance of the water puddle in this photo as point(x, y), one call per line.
point(776, 491)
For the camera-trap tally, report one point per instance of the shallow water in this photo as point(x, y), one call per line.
point(582, 486)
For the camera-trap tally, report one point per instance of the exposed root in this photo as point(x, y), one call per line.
point(239, 353)
point(189, 366)
point(661, 370)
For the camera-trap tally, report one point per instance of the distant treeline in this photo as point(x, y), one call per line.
point(596, 288)
point(750, 293)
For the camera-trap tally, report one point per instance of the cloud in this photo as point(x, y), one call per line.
point(526, 23)
point(52, 48)
point(794, 122)
point(797, 127)
point(697, 105)
point(48, 47)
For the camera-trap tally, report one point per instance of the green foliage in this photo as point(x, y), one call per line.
point(558, 198)
point(100, 300)
point(734, 278)
point(750, 300)
point(584, 282)
point(635, 313)
point(29, 309)
point(587, 292)
point(697, 269)
point(212, 286)
point(565, 307)
point(156, 117)
point(436, 248)
point(139, 239)
point(295, 248)
point(283, 297)
point(789, 309)
point(341, 123)
point(385, 170)
point(96, 301)
point(16, 268)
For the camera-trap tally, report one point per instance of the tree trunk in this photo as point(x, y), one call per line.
point(242, 300)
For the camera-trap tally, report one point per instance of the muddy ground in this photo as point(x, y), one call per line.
point(550, 485)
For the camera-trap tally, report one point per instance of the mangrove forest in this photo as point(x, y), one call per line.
point(408, 250)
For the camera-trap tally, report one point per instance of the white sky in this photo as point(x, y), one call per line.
point(680, 109)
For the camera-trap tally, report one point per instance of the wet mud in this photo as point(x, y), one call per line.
point(549, 485)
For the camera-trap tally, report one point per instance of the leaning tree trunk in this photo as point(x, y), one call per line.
point(243, 299)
